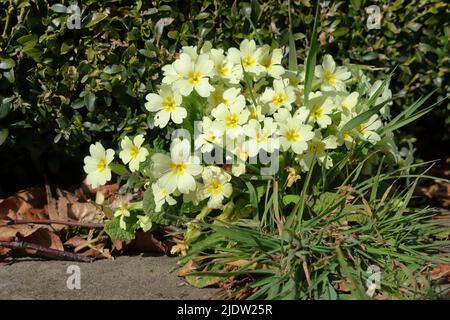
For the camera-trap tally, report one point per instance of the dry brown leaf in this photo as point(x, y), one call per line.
point(75, 241)
point(9, 233)
point(19, 206)
point(46, 238)
point(84, 212)
point(440, 271)
point(188, 267)
point(237, 263)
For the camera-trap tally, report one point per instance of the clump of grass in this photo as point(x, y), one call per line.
point(328, 255)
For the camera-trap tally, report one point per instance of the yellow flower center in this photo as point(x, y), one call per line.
point(329, 78)
point(178, 168)
point(361, 128)
point(267, 63)
point(260, 137)
point(134, 152)
point(248, 61)
point(279, 99)
point(254, 114)
point(223, 71)
point(101, 165)
point(317, 113)
point(211, 137)
point(292, 135)
point(194, 77)
point(164, 192)
point(345, 106)
point(169, 104)
point(232, 120)
point(215, 187)
point(315, 146)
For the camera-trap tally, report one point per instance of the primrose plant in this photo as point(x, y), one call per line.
point(232, 115)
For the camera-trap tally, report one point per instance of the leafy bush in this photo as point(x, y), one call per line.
point(75, 86)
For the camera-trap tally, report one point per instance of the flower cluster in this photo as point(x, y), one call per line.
point(249, 104)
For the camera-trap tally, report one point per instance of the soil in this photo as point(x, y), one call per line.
point(128, 277)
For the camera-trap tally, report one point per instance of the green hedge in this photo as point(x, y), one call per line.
point(62, 88)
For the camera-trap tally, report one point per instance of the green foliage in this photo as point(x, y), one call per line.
point(113, 229)
point(75, 86)
point(342, 234)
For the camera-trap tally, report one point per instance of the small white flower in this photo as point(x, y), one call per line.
point(282, 95)
point(122, 212)
point(145, 222)
point(194, 75)
point(367, 130)
point(321, 109)
point(293, 133)
point(217, 186)
point(224, 68)
point(97, 165)
point(226, 97)
point(161, 195)
point(318, 148)
point(248, 57)
point(261, 137)
point(385, 95)
point(212, 133)
point(332, 77)
point(178, 170)
point(166, 104)
point(233, 117)
point(271, 61)
point(132, 152)
point(347, 104)
point(191, 51)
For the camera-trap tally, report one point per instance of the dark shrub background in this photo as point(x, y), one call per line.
point(61, 89)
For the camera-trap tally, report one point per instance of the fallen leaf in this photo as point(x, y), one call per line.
point(19, 206)
point(75, 241)
point(188, 267)
point(440, 271)
point(9, 233)
point(46, 238)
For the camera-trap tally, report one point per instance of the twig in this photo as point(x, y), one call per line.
point(67, 223)
point(46, 252)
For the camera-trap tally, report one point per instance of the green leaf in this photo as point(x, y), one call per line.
point(292, 48)
point(3, 135)
point(28, 41)
point(96, 18)
point(290, 198)
point(5, 107)
point(253, 194)
point(361, 118)
point(148, 205)
point(59, 8)
point(89, 101)
point(119, 169)
point(6, 64)
point(113, 229)
point(312, 57)
point(325, 200)
point(202, 281)
point(9, 75)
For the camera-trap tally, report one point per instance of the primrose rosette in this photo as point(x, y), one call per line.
point(250, 143)
point(235, 111)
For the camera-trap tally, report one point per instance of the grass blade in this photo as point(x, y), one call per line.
point(312, 57)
